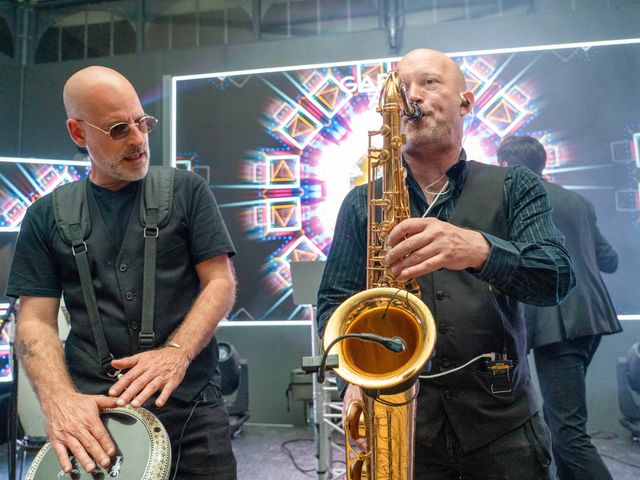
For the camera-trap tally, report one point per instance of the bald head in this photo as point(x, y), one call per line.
point(95, 90)
point(426, 59)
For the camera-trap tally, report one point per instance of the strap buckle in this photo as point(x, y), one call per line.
point(151, 232)
point(79, 248)
point(146, 340)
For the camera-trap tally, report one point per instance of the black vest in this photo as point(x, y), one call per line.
point(469, 324)
point(117, 280)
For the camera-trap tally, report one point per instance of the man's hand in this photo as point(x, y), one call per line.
point(352, 394)
point(73, 423)
point(424, 245)
point(156, 370)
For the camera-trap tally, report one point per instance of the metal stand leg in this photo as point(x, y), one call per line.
point(322, 435)
point(327, 417)
point(323, 446)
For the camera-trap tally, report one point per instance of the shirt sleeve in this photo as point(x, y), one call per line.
point(532, 265)
point(345, 270)
point(208, 234)
point(33, 272)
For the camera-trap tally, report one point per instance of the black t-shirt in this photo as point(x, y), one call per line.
point(115, 208)
point(33, 269)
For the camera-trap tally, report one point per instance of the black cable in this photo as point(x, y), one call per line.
point(401, 404)
point(504, 323)
point(284, 447)
point(395, 344)
point(391, 300)
point(184, 427)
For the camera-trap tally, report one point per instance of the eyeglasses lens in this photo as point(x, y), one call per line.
point(121, 130)
point(147, 124)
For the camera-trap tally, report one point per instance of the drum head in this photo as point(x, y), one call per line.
point(142, 450)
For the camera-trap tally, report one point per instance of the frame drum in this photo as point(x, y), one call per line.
point(143, 450)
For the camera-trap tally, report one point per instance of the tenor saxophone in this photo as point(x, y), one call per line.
point(389, 308)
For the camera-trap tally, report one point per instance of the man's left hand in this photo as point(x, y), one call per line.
point(424, 245)
point(148, 372)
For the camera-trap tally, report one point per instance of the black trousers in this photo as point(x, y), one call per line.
point(203, 451)
point(522, 454)
point(562, 368)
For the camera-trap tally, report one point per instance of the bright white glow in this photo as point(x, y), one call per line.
point(43, 161)
point(532, 48)
point(474, 149)
point(341, 165)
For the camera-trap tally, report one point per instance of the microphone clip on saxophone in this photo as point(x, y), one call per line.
point(320, 363)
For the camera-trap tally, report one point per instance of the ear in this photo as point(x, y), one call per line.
point(467, 101)
point(76, 132)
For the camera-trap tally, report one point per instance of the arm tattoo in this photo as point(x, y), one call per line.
point(26, 348)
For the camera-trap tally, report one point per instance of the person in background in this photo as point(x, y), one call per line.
point(480, 240)
point(564, 338)
point(176, 378)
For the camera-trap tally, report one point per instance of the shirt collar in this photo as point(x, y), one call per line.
point(457, 174)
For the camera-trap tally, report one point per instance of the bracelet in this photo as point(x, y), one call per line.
point(177, 345)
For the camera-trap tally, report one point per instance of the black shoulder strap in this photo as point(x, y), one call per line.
point(71, 213)
point(157, 191)
point(154, 214)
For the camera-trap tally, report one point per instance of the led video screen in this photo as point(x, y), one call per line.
point(281, 147)
point(24, 180)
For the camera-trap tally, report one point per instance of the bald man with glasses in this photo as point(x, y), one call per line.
point(175, 376)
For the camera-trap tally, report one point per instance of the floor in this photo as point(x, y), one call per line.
point(288, 453)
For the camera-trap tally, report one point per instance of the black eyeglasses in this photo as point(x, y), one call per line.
point(121, 130)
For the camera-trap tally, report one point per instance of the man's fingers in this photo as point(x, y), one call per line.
point(90, 442)
point(430, 265)
point(149, 389)
point(63, 456)
point(105, 402)
point(408, 227)
point(81, 455)
point(136, 387)
point(165, 394)
point(410, 245)
point(124, 383)
point(100, 433)
point(125, 362)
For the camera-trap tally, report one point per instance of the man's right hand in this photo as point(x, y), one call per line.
point(74, 424)
point(352, 394)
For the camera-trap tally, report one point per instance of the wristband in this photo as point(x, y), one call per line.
point(177, 345)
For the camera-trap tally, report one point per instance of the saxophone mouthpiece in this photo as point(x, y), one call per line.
point(415, 113)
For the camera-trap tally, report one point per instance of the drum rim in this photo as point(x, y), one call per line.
point(159, 461)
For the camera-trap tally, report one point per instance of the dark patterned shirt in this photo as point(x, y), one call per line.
point(531, 265)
